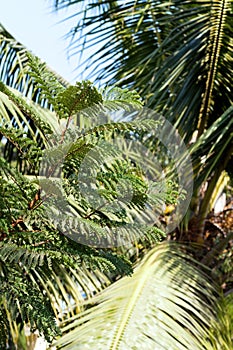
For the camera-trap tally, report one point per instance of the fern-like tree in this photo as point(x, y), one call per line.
point(45, 270)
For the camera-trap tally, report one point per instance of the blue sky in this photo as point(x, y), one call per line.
point(34, 24)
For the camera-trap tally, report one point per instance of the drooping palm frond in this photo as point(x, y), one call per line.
point(189, 80)
point(177, 55)
point(120, 37)
point(16, 112)
point(215, 149)
point(14, 67)
point(166, 304)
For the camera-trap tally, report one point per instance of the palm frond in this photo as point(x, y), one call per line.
point(14, 66)
point(214, 145)
point(221, 332)
point(177, 55)
point(167, 303)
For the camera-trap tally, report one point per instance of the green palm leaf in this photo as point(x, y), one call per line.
point(222, 330)
point(166, 304)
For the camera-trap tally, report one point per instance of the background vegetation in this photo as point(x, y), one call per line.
point(178, 58)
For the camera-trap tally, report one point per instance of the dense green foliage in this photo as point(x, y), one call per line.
point(178, 56)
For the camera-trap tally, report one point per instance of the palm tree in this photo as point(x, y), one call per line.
point(178, 56)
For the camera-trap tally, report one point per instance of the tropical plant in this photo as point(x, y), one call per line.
point(47, 276)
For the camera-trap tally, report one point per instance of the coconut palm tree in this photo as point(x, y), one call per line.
point(178, 56)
